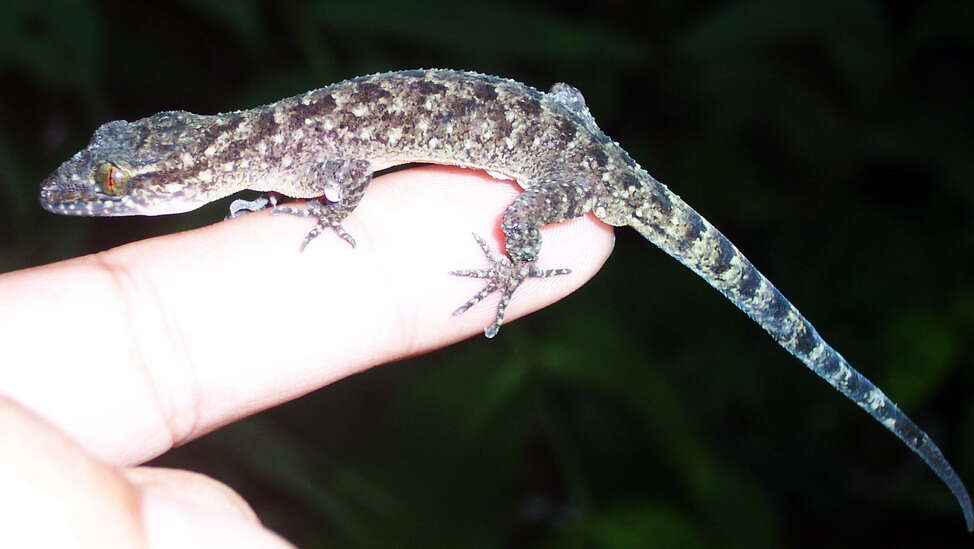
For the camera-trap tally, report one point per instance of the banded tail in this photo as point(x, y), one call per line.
point(669, 223)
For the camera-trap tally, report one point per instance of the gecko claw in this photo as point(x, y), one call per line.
point(328, 218)
point(502, 275)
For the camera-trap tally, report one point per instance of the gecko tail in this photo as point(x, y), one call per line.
point(669, 223)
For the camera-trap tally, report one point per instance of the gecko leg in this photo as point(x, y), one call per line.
point(541, 204)
point(340, 185)
point(504, 276)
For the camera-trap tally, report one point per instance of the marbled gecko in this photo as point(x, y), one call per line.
point(325, 145)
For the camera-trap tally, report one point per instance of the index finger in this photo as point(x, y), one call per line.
point(137, 349)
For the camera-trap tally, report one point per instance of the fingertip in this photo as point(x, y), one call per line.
point(171, 523)
point(56, 495)
point(196, 490)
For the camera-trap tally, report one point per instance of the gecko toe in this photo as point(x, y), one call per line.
point(287, 210)
point(329, 216)
point(265, 201)
point(502, 275)
point(240, 207)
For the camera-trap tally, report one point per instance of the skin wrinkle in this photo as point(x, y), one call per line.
point(169, 414)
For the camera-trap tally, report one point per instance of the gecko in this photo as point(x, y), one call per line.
point(325, 145)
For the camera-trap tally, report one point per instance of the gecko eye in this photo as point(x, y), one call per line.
point(111, 179)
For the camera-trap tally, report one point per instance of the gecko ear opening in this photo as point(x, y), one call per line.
point(111, 179)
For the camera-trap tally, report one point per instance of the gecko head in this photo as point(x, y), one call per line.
point(131, 168)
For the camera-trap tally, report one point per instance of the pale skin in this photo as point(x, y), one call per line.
point(122, 355)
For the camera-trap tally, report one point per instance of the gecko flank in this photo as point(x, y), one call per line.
point(325, 145)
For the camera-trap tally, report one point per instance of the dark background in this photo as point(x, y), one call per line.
point(830, 140)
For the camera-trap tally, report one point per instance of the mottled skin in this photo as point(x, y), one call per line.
point(326, 144)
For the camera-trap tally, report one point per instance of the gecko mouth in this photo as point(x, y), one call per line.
point(80, 199)
point(73, 199)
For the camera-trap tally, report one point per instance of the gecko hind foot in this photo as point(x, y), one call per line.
point(329, 216)
point(504, 276)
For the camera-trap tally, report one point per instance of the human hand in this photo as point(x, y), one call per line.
point(114, 358)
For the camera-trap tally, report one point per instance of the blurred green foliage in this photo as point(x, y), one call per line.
point(831, 140)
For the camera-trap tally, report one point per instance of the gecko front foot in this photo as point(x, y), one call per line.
point(240, 206)
point(504, 276)
point(329, 216)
